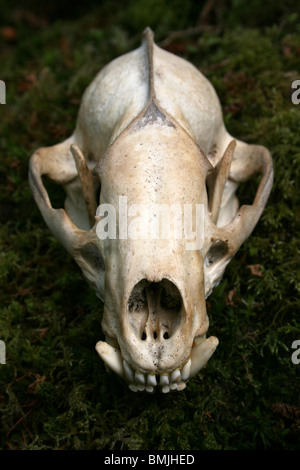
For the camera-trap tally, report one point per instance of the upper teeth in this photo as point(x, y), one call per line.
point(176, 380)
point(149, 381)
point(139, 381)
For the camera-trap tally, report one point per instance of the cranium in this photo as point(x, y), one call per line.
point(150, 130)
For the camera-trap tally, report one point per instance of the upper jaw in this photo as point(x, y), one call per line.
point(162, 380)
point(137, 348)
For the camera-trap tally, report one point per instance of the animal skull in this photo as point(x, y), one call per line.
point(150, 130)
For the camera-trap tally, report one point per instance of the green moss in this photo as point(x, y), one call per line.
point(54, 391)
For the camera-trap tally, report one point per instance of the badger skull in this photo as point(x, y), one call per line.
point(150, 132)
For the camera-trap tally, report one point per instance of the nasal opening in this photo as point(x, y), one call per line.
point(155, 310)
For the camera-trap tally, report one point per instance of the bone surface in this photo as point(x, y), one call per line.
point(150, 134)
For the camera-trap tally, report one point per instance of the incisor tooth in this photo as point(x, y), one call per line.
point(140, 387)
point(175, 376)
point(149, 389)
point(165, 389)
point(202, 353)
point(185, 371)
point(151, 380)
point(173, 386)
point(164, 379)
point(181, 386)
point(133, 387)
point(112, 357)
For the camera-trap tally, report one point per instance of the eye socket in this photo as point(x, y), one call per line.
point(217, 251)
point(55, 192)
point(92, 257)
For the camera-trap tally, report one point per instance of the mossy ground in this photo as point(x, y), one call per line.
point(54, 390)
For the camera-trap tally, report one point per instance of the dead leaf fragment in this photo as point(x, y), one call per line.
point(255, 270)
point(9, 33)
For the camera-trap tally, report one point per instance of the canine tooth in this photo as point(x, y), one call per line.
point(181, 386)
point(139, 378)
point(185, 371)
point(149, 389)
point(128, 372)
point(175, 376)
point(202, 353)
point(151, 380)
point(164, 379)
point(166, 389)
point(111, 357)
point(133, 388)
point(140, 387)
point(173, 386)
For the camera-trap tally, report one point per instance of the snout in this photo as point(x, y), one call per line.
point(164, 382)
point(158, 348)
